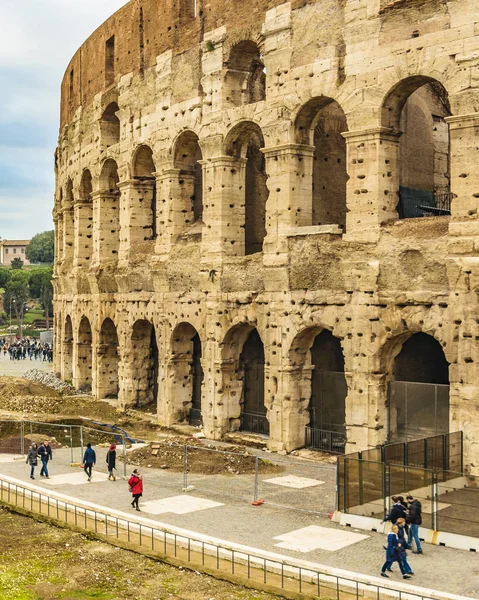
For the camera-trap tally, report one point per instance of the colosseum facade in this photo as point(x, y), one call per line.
point(266, 217)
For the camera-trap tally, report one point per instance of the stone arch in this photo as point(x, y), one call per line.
point(316, 360)
point(245, 141)
point(67, 350)
point(245, 75)
point(143, 367)
point(185, 374)
point(243, 363)
point(83, 375)
point(417, 372)
point(84, 220)
point(187, 157)
point(320, 123)
point(107, 382)
point(108, 220)
point(110, 126)
point(417, 107)
point(144, 174)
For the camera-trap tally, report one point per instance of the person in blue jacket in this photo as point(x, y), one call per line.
point(89, 460)
point(392, 554)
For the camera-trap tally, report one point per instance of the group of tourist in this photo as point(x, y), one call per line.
point(44, 453)
point(405, 517)
point(27, 347)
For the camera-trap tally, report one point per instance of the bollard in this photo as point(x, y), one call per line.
point(256, 501)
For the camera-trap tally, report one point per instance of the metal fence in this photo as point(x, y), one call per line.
point(196, 553)
point(429, 469)
point(16, 437)
point(327, 441)
point(254, 423)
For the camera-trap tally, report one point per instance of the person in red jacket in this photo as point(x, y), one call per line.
point(136, 487)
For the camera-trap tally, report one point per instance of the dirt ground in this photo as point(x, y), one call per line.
point(41, 562)
point(204, 458)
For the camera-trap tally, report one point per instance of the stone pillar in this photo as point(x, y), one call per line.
point(83, 234)
point(58, 224)
point(66, 346)
point(373, 185)
point(223, 208)
point(136, 214)
point(68, 235)
point(464, 154)
point(290, 184)
point(82, 366)
point(225, 412)
point(106, 369)
point(179, 389)
point(289, 414)
point(105, 226)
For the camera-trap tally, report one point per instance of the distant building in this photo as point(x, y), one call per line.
point(10, 249)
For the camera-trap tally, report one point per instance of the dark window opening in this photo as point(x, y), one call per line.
point(110, 60)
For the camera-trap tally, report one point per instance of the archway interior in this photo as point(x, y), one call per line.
point(253, 409)
point(187, 372)
point(245, 78)
point(419, 391)
point(197, 376)
point(84, 365)
point(256, 194)
point(110, 126)
point(144, 366)
point(67, 362)
point(187, 159)
point(329, 166)
point(144, 170)
point(327, 406)
point(108, 361)
point(418, 108)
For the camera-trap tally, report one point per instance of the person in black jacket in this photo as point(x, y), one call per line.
point(89, 460)
point(398, 511)
point(45, 454)
point(111, 461)
point(415, 519)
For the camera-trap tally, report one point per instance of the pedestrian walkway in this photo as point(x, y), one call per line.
point(17, 368)
point(295, 535)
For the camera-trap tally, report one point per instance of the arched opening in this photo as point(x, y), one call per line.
point(144, 173)
point(107, 361)
point(245, 77)
point(84, 220)
point(110, 126)
point(109, 221)
point(327, 406)
point(417, 107)
point(187, 157)
point(419, 390)
point(321, 123)
point(186, 374)
point(143, 372)
point(67, 351)
point(84, 356)
point(253, 410)
point(245, 141)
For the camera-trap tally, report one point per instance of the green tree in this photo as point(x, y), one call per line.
point(41, 248)
point(4, 276)
point(35, 282)
point(16, 295)
point(17, 263)
point(47, 294)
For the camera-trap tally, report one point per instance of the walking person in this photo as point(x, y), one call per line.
point(89, 460)
point(111, 461)
point(404, 545)
point(397, 511)
point(392, 554)
point(136, 487)
point(45, 454)
point(32, 459)
point(415, 519)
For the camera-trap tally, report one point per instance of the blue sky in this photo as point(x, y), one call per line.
point(37, 40)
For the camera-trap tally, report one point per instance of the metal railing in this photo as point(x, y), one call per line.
point(327, 441)
point(194, 552)
point(254, 423)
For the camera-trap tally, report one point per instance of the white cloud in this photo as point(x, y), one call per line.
point(38, 39)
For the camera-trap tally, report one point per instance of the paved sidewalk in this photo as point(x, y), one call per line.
point(16, 368)
point(226, 513)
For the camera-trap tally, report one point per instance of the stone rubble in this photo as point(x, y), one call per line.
point(50, 380)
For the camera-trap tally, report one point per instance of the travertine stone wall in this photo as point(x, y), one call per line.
point(239, 169)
